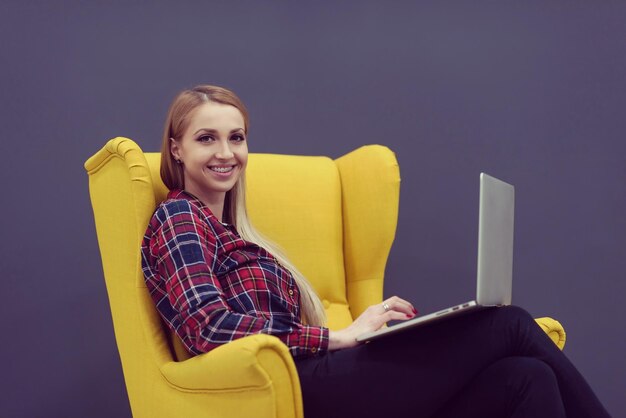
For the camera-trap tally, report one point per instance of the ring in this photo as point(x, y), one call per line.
point(385, 306)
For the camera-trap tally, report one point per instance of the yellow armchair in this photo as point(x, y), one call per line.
point(321, 213)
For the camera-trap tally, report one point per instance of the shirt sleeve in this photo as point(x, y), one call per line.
point(186, 246)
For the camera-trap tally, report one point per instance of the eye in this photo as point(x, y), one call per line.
point(205, 138)
point(238, 138)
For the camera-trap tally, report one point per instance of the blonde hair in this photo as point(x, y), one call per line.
point(178, 117)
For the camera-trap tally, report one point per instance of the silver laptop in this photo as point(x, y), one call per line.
point(495, 258)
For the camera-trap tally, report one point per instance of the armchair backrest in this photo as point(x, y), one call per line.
point(335, 220)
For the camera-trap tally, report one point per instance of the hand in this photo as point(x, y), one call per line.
point(372, 319)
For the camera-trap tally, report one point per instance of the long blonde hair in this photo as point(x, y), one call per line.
point(179, 114)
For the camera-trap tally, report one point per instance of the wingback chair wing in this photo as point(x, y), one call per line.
point(317, 209)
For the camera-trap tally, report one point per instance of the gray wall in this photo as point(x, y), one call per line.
point(533, 93)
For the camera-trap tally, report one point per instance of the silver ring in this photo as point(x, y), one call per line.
point(385, 306)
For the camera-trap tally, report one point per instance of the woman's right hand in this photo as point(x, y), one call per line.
point(372, 319)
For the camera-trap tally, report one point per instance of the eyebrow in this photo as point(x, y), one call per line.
point(214, 131)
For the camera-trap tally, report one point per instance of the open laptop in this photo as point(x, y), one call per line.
point(495, 258)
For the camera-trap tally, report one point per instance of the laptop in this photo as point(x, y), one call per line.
point(495, 258)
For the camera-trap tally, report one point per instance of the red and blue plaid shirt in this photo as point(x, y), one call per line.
point(212, 287)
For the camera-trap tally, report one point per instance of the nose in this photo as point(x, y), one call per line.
point(224, 152)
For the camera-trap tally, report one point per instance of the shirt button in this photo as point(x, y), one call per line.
point(290, 292)
point(314, 350)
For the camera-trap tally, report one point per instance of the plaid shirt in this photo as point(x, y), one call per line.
point(212, 287)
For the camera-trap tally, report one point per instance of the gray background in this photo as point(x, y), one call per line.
point(532, 92)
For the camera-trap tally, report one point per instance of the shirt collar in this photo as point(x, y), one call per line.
point(183, 194)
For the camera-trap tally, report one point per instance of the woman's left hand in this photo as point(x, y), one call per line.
point(372, 319)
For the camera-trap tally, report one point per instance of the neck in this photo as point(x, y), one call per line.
point(216, 209)
point(214, 201)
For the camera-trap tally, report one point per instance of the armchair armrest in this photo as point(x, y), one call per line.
point(245, 363)
point(554, 329)
point(252, 363)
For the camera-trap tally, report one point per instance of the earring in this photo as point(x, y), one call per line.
point(179, 162)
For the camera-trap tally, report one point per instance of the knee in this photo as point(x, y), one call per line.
point(516, 312)
point(514, 315)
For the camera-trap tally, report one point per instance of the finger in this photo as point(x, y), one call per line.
point(387, 306)
point(398, 304)
point(406, 303)
point(396, 316)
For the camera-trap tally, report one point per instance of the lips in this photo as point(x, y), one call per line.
point(223, 171)
point(222, 168)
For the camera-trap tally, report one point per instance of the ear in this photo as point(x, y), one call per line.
point(175, 149)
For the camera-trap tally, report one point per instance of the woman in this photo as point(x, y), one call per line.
point(214, 279)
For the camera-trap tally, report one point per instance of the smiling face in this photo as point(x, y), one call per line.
point(213, 152)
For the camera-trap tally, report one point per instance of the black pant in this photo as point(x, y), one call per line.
point(492, 363)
